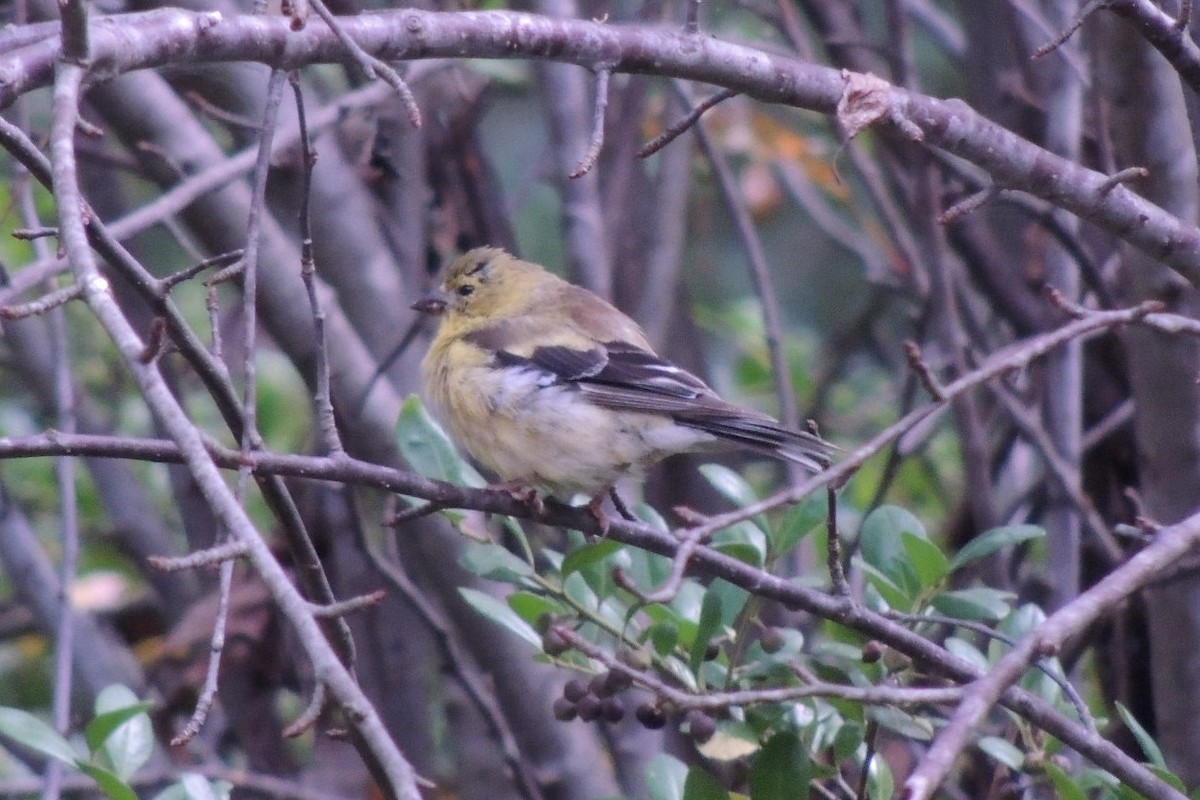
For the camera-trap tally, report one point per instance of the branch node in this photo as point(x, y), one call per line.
point(912, 352)
point(154, 342)
point(1117, 178)
point(968, 205)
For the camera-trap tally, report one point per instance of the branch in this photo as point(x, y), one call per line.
point(121, 44)
point(162, 403)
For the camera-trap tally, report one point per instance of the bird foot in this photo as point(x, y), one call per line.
point(619, 504)
point(594, 508)
point(525, 494)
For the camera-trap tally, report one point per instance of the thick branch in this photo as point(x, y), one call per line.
point(172, 36)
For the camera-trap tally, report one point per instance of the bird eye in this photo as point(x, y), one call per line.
point(465, 290)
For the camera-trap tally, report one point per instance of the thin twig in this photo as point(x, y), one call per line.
point(371, 66)
point(54, 299)
point(1047, 667)
point(596, 143)
point(912, 352)
point(669, 588)
point(308, 718)
point(1124, 176)
point(208, 692)
point(1089, 8)
point(29, 234)
point(837, 575)
point(711, 700)
point(344, 607)
point(1067, 478)
point(223, 260)
point(681, 125)
point(969, 204)
point(209, 557)
point(323, 402)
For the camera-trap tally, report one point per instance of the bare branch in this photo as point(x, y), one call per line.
point(58, 297)
point(597, 141)
point(680, 126)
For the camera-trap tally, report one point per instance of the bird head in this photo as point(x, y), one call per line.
point(486, 282)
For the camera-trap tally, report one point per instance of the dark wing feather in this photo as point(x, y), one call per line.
point(625, 377)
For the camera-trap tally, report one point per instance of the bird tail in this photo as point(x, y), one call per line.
point(766, 437)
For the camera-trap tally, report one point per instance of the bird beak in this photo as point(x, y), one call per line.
point(434, 303)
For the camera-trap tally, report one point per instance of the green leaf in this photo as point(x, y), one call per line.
point(493, 562)
point(780, 770)
point(881, 784)
point(1153, 753)
point(108, 782)
point(664, 636)
point(1002, 751)
point(427, 448)
point(531, 607)
point(1168, 777)
point(589, 554)
point(896, 597)
point(979, 603)
point(743, 551)
point(883, 547)
point(732, 741)
point(499, 612)
point(708, 627)
point(927, 560)
point(919, 728)
point(665, 776)
point(1064, 785)
point(700, 785)
point(968, 652)
point(799, 521)
point(994, 540)
point(121, 734)
point(729, 484)
point(195, 787)
point(1021, 621)
point(847, 740)
point(28, 730)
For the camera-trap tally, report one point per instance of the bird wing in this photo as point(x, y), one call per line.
point(626, 377)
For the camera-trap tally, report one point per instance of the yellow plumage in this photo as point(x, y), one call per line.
point(549, 386)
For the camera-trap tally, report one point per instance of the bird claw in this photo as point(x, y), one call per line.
point(594, 508)
point(525, 494)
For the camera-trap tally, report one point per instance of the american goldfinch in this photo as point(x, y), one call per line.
point(550, 387)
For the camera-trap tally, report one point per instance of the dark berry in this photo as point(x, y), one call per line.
point(564, 709)
point(701, 726)
point(651, 716)
point(872, 651)
point(588, 707)
point(598, 685)
point(574, 689)
point(617, 681)
point(554, 643)
point(612, 709)
point(772, 640)
point(712, 650)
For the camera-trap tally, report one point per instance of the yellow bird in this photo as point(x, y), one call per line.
point(550, 387)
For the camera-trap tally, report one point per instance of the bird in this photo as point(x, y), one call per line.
point(552, 388)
